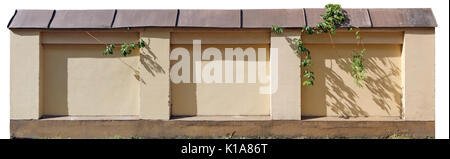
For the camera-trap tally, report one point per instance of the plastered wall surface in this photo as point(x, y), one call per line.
point(221, 98)
point(285, 102)
point(398, 66)
point(25, 66)
point(335, 92)
point(154, 67)
point(80, 80)
point(419, 74)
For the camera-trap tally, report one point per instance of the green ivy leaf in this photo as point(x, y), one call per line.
point(141, 44)
point(276, 29)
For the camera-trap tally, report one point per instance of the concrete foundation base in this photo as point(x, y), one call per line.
point(217, 128)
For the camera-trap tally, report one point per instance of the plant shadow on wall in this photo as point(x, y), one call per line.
point(384, 89)
point(149, 60)
point(335, 94)
point(147, 57)
point(331, 90)
point(382, 82)
point(339, 97)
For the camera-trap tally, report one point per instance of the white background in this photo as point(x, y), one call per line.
point(440, 10)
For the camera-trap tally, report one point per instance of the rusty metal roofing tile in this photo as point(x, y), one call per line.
point(101, 19)
point(210, 18)
point(83, 19)
point(403, 17)
point(145, 18)
point(265, 18)
point(31, 19)
point(355, 17)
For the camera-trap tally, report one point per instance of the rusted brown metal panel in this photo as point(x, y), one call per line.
point(266, 18)
point(145, 18)
point(210, 18)
point(403, 17)
point(31, 19)
point(355, 17)
point(84, 19)
point(288, 18)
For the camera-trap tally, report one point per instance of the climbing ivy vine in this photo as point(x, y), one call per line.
point(358, 70)
point(277, 29)
point(126, 48)
point(332, 19)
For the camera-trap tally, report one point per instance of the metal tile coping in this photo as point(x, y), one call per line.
point(244, 18)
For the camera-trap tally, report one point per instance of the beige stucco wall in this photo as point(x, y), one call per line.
point(335, 92)
point(79, 80)
point(220, 98)
point(25, 74)
point(404, 59)
point(419, 74)
point(154, 70)
point(285, 102)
